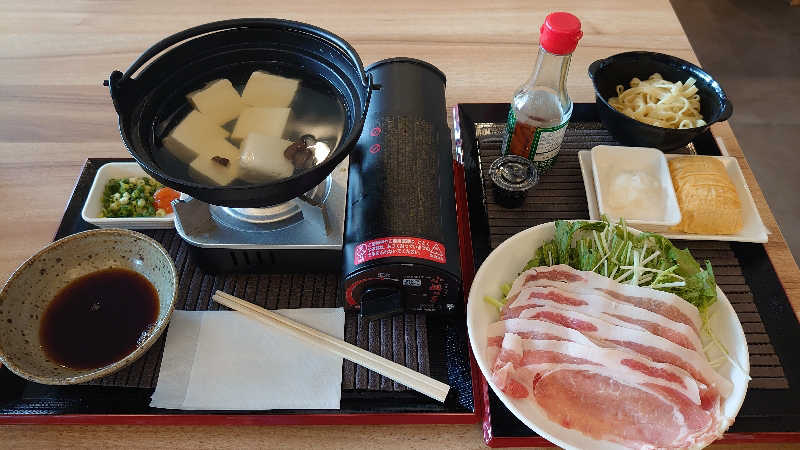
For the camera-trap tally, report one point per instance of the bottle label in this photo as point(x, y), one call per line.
point(540, 145)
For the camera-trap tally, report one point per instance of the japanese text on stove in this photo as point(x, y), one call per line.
point(410, 247)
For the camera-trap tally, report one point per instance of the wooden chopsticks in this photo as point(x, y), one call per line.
point(401, 374)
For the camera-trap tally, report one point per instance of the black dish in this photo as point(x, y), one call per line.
point(607, 73)
point(512, 177)
point(234, 48)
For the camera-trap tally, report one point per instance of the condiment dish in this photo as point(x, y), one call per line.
point(94, 201)
point(32, 287)
point(633, 183)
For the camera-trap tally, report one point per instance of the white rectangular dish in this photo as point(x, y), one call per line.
point(622, 178)
point(753, 230)
point(94, 201)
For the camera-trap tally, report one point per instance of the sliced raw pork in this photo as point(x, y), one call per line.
point(527, 352)
point(663, 303)
point(597, 305)
point(593, 391)
point(531, 329)
point(559, 325)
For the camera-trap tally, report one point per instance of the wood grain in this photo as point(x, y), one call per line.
point(400, 437)
point(54, 113)
point(777, 250)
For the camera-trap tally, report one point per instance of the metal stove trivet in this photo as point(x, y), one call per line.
point(313, 223)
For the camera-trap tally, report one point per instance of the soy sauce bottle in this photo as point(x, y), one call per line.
point(541, 108)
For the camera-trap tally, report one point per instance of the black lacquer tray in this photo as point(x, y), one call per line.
point(432, 345)
point(771, 410)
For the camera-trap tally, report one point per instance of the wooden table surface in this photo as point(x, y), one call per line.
point(55, 113)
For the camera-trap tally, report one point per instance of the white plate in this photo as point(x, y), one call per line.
point(753, 230)
point(608, 161)
point(504, 264)
point(94, 201)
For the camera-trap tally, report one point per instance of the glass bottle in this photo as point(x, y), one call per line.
point(541, 108)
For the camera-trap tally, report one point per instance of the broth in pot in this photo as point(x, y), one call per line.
point(258, 130)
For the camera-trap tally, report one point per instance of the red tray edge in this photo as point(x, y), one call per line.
point(241, 419)
point(732, 438)
point(538, 441)
point(467, 270)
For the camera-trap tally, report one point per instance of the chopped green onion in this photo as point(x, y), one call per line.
point(129, 197)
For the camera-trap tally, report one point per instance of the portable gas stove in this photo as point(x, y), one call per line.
point(384, 218)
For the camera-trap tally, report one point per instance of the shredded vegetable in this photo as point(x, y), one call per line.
point(647, 259)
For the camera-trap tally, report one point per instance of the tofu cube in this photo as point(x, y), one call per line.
point(218, 166)
point(266, 89)
point(219, 100)
point(261, 120)
point(262, 159)
point(193, 136)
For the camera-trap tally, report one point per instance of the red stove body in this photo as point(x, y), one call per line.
point(401, 233)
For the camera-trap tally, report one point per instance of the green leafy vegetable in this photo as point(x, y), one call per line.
point(646, 259)
point(566, 231)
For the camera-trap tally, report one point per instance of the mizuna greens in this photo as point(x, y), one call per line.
point(646, 259)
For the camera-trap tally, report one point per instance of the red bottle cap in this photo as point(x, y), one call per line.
point(560, 33)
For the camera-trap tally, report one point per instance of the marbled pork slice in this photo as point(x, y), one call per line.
point(664, 303)
point(605, 334)
point(524, 352)
point(590, 391)
point(639, 341)
point(600, 306)
point(530, 329)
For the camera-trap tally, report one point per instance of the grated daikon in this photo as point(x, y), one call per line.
point(635, 195)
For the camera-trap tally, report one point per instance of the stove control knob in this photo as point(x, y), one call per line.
point(381, 301)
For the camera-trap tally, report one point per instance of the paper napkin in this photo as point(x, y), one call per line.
point(224, 360)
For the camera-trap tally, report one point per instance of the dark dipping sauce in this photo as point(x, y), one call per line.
point(98, 318)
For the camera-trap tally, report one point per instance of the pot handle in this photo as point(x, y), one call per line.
point(189, 33)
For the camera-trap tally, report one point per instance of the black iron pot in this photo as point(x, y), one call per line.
point(607, 73)
point(145, 95)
